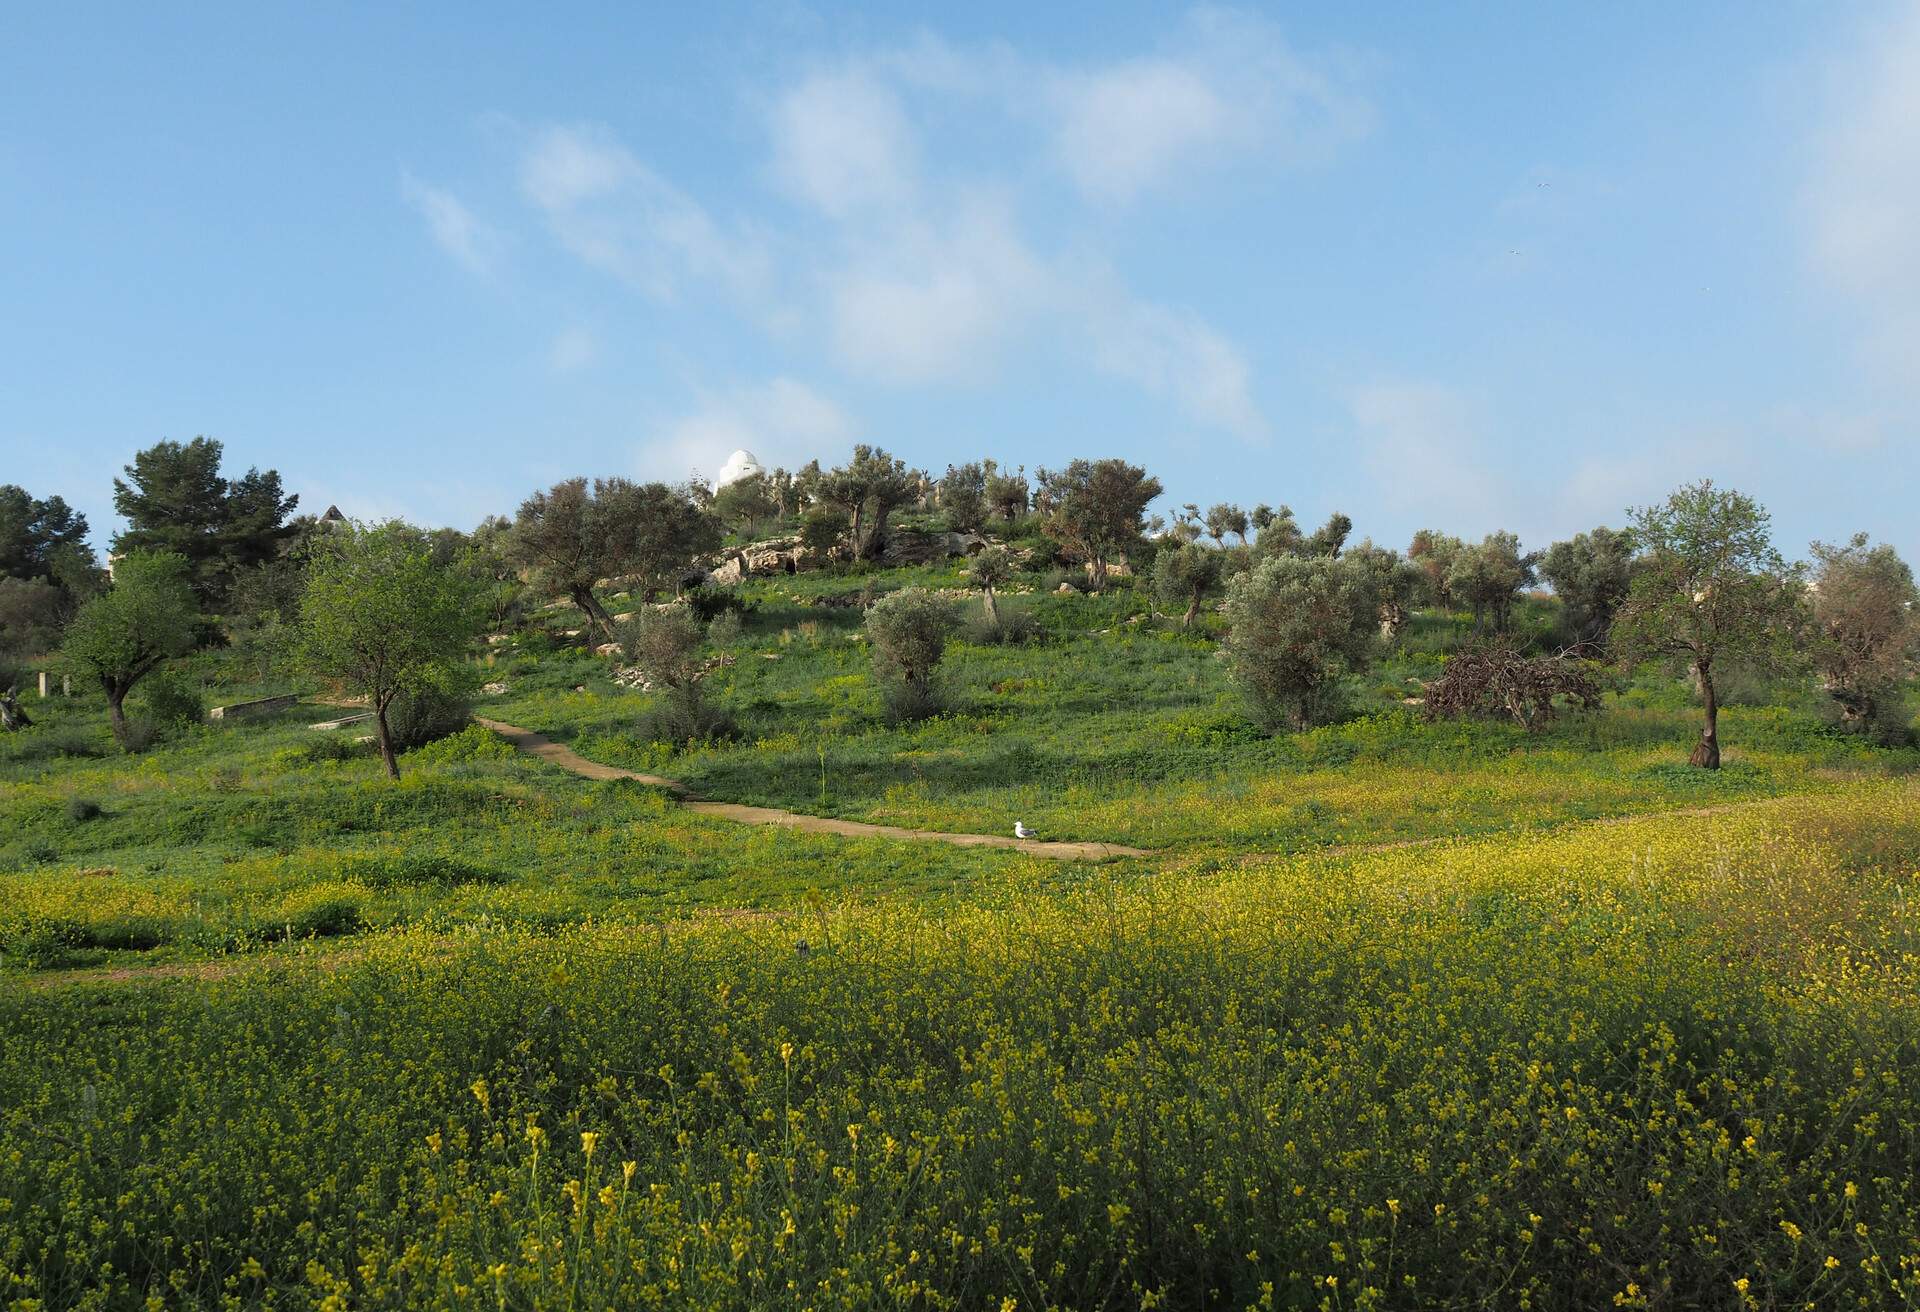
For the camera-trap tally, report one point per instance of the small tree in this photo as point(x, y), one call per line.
point(1487, 579)
point(665, 646)
point(143, 621)
point(1184, 575)
point(991, 569)
point(746, 502)
point(1280, 534)
point(1713, 590)
point(1433, 554)
point(1096, 509)
point(909, 631)
point(1298, 625)
point(1494, 680)
point(1330, 537)
point(384, 620)
point(1864, 609)
point(1590, 573)
point(1395, 582)
point(963, 496)
point(571, 536)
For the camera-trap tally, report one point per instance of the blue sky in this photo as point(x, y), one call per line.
point(1471, 268)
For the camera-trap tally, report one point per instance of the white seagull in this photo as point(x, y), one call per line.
point(1020, 830)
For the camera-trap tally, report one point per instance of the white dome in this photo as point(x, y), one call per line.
point(741, 464)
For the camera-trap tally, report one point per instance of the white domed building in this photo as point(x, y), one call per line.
point(741, 464)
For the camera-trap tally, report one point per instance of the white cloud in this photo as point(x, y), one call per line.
point(613, 212)
point(1232, 86)
point(1176, 354)
point(1423, 450)
point(842, 143)
point(1864, 196)
point(782, 421)
point(454, 228)
point(573, 350)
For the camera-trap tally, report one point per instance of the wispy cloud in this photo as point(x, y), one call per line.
point(612, 211)
point(1864, 196)
point(456, 229)
point(573, 350)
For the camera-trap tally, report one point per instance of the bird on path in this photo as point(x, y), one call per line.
point(1020, 830)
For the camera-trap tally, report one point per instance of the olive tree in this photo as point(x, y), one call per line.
point(1864, 611)
point(1096, 509)
point(909, 631)
point(573, 535)
point(989, 570)
point(1487, 579)
point(144, 620)
point(1184, 575)
point(963, 496)
point(1007, 494)
point(1590, 573)
point(746, 502)
point(384, 619)
point(1712, 590)
point(1224, 518)
point(665, 646)
point(1296, 626)
point(869, 488)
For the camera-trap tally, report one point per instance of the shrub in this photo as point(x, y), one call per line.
point(170, 701)
point(417, 870)
point(424, 715)
point(473, 743)
point(82, 809)
point(909, 631)
point(1297, 626)
point(1014, 628)
point(665, 646)
point(322, 911)
point(824, 531)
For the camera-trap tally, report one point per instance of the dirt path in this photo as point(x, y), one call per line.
point(567, 759)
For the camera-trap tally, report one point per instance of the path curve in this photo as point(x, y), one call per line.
point(535, 744)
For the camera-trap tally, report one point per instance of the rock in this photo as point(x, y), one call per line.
point(493, 689)
point(759, 560)
point(607, 649)
point(495, 639)
point(1066, 589)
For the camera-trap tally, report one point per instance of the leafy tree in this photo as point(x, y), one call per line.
point(1225, 518)
point(991, 569)
point(35, 533)
point(824, 530)
point(1433, 554)
point(1297, 626)
point(144, 620)
point(1591, 573)
point(571, 536)
point(1487, 579)
point(175, 499)
point(31, 613)
point(665, 646)
point(384, 620)
point(746, 502)
point(1260, 516)
point(1095, 510)
point(1330, 537)
point(1184, 575)
point(869, 488)
point(1864, 611)
point(909, 631)
point(963, 496)
point(1007, 494)
point(1713, 590)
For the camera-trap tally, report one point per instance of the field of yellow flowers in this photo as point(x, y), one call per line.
point(1665, 1062)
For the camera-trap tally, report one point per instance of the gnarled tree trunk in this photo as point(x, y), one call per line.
point(1706, 752)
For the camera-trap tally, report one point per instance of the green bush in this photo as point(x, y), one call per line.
point(82, 809)
point(473, 743)
point(427, 714)
point(169, 700)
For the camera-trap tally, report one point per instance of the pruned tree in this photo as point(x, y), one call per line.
point(1330, 537)
point(1494, 680)
point(1591, 574)
point(174, 498)
point(909, 631)
point(1297, 626)
point(1095, 510)
point(1183, 576)
point(991, 569)
point(384, 620)
point(1713, 590)
point(1487, 579)
point(1259, 517)
point(1280, 535)
point(1007, 494)
point(1866, 612)
point(1224, 518)
point(869, 488)
point(1395, 582)
point(144, 620)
